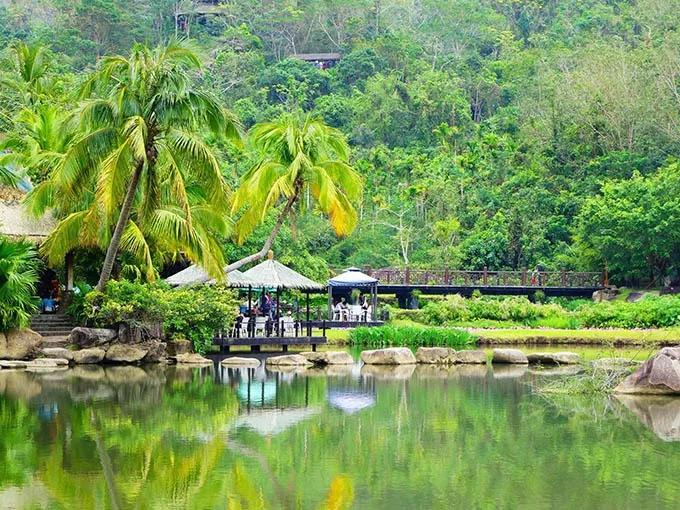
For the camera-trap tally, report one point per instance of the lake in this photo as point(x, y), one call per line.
point(349, 437)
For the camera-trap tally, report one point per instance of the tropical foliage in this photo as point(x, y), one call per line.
point(191, 313)
point(18, 277)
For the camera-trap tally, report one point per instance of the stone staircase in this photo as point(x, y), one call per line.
point(52, 324)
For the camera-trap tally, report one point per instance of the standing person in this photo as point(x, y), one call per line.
point(364, 307)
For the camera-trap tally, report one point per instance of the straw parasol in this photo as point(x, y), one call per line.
point(194, 275)
point(274, 275)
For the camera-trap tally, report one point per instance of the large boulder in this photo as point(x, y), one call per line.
point(192, 358)
point(125, 353)
point(435, 355)
point(608, 294)
point(391, 356)
point(288, 360)
point(176, 347)
point(512, 356)
point(235, 361)
point(89, 356)
point(57, 352)
point(138, 333)
point(554, 358)
point(19, 344)
point(329, 357)
point(156, 351)
point(91, 337)
point(659, 375)
point(473, 357)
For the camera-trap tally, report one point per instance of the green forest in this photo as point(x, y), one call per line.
point(488, 133)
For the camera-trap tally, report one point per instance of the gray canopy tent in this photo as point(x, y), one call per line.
point(353, 278)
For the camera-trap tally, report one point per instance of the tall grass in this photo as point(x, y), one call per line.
point(410, 336)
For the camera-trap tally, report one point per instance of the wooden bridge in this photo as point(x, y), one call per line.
point(403, 281)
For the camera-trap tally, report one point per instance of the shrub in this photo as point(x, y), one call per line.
point(192, 313)
point(410, 336)
point(18, 277)
point(650, 312)
point(457, 309)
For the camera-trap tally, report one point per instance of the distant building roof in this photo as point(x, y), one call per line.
point(311, 57)
point(16, 222)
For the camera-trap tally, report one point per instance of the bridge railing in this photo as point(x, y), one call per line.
point(525, 278)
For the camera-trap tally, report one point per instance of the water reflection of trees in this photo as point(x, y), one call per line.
point(169, 438)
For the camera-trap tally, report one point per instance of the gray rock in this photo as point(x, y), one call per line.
point(470, 357)
point(176, 347)
point(554, 358)
point(390, 356)
point(329, 357)
point(235, 361)
point(125, 353)
point(605, 294)
point(19, 344)
point(156, 351)
point(89, 356)
point(48, 362)
point(512, 356)
point(57, 352)
point(435, 355)
point(91, 337)
point(659, 375)
point(192, 359)
point(13, 363)
point(288, 360)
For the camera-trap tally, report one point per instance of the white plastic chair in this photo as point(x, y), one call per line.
point(287, 326)
point(260, 325)
point(243, 332)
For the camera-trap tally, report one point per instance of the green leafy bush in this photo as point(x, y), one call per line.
point(456, 309)
point(18, 277)
point(650, 312)
point(410, 336)
point(193, 313)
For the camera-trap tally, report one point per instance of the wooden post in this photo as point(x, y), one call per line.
point(68, 262)
point(447, 277)
point(278, 311)
point(250, 299)
point(309, 324)
point(330, 302)
point(563, 277)
point(407, 275)
point(524, 276)
point(485, 276)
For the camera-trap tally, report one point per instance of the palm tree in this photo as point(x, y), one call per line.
point(142, 159)
point(300, 156)
point(29, 78)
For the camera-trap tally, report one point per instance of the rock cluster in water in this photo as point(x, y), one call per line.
point(659, 375)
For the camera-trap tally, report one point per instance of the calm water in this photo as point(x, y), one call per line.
point(426, 437)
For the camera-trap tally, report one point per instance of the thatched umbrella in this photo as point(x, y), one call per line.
point(194, 275)
point(271, 274)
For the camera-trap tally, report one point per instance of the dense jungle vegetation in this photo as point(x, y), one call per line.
point(498, 133)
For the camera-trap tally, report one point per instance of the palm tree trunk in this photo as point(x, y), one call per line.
point(270, 240)
point(125, 211)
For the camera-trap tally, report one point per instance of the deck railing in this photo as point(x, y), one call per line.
point(484, 278)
